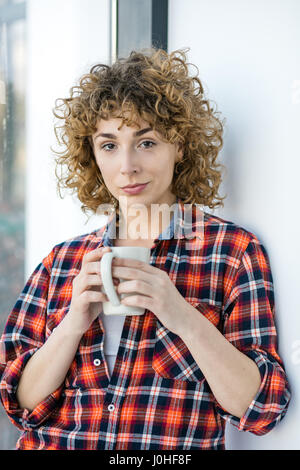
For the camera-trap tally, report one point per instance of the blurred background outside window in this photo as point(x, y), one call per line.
point(134, 24)
point(12, 170)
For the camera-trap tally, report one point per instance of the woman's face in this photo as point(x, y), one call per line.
point(132, 155)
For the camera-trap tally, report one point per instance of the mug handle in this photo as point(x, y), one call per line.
point(107, 280)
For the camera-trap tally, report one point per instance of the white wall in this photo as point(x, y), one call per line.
point(247, 53)
point(64, 38)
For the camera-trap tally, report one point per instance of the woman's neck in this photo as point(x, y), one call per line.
point(145, 225)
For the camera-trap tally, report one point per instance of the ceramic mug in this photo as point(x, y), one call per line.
point(113, 306)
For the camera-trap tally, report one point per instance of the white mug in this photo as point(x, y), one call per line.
point(113, 306)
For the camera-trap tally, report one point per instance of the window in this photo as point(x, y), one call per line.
point(12, 171)
point(138, 24)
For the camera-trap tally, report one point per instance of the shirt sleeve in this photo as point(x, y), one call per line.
point(23, 335)
point(249, 325)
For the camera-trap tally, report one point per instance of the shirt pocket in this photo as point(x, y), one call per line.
point(171, 357)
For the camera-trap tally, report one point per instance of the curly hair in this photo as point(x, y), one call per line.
point(155, 86)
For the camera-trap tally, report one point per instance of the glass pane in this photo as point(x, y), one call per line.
point(12, 176)
point(134, 25)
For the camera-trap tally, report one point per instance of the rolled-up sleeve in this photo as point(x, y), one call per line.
point(23, 335)
point(249, 325)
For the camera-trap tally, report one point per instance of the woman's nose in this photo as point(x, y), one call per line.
point(129, 163)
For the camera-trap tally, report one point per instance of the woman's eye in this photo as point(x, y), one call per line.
point(105, 146)
point(148, 142)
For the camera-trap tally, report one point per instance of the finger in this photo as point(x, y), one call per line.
point(93, 296)
point(142, 301)
point(133, 263)
point(89, 281)
point(86, 281)
point(95, 254)
point(139, 287)
point(94, 268)
point(131, 273)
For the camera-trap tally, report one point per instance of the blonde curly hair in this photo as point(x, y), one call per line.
point(157, 87)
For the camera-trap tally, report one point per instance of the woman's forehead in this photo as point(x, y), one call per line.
point(115, 126)
point(117, 122)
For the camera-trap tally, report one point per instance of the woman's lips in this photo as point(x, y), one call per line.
point(136, 189)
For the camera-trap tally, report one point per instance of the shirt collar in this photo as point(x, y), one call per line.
point(187, 223)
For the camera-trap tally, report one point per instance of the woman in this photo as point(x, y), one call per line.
point(205, 351)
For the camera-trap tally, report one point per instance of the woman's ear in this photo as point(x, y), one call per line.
point(180, 152)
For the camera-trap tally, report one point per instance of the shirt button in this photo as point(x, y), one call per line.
point(111, 407)
point(97, 362)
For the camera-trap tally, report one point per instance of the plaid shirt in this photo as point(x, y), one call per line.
point(157, 396)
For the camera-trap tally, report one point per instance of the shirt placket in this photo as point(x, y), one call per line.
point(119, 382)
point(121, 374)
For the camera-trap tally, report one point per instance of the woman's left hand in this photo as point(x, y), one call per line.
point(156, 292)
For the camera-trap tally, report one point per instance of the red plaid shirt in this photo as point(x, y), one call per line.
point(157, 396)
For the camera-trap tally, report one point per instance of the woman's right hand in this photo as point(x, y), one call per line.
point(87, 297)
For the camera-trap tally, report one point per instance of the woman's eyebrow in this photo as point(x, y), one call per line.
point(136, 134)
